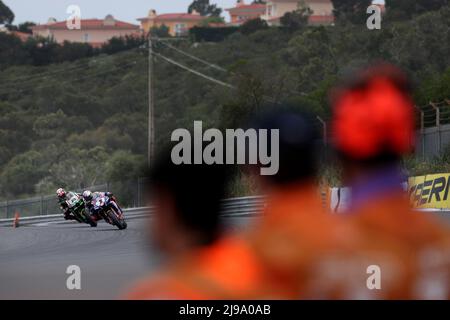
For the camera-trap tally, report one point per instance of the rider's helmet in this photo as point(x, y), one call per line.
point(87, 195)
point(61, 193)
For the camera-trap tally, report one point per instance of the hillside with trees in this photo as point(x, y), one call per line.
point(79, 122)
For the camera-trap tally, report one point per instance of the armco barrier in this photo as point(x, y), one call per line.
point(235, 207)
point(131, 192)
point(246, 206)
point(133, 213)
point(37, 206)
point(243, 206)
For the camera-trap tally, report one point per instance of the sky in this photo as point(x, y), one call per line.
point(126, 10)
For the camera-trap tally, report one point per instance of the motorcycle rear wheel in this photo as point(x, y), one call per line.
point(119, 223)
point(89, 219)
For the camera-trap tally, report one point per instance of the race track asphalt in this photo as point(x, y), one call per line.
point(34, 259)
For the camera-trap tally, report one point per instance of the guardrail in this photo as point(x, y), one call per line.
point(235, 207)
point(133, 213)
point(245, 206)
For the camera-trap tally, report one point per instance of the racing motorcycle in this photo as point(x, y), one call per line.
point(102, 205)
point(77, 208)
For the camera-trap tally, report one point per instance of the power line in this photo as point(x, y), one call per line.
point(222, 83)
point(34, 77)
point(30, 86)
point(116, 68)
point(214, 66)
point(194, 71)
point(44, 74)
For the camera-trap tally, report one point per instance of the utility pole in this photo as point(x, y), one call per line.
point(151, 103)
point(151, 96)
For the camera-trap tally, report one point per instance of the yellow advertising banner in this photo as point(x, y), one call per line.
point(430, 191)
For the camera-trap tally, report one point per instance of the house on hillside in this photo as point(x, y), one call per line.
point(381, 6)
point(322, 10)
point(243, 12)
point(95, 32)
point(179, 24)
point(21, 35)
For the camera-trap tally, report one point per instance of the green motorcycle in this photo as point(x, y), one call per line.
point(77, 208)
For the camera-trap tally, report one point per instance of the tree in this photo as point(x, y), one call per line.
point(26, 27)
point(22, 27)
point(12, 51)
point(353, 11)
point(21, 174)
point(101, 134)
point(296, 19)
point(80, 168)
point(405, 9)
point(122, 171)
point(253, 25)
point(208, 34)
point(212, 20)
point(205, 8)
point(160, 32)
point(6, 15)
point(125, 166)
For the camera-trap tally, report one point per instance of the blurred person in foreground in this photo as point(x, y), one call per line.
point(296, 234)
point(373, 128)
point(201, 262)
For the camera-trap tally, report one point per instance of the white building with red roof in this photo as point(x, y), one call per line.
point(179, 24)
point(95, 32)
point(243, 12)
point(322, 10)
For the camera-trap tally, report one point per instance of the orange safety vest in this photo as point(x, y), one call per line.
point(294, 236)
point(413, 247)
point(227, 269)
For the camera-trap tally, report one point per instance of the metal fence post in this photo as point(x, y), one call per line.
point(324, 130)
point(7, 209)
point(139, 192)
point(41, 211)
point(422, 131)
point(438, 124)
point(325, 137)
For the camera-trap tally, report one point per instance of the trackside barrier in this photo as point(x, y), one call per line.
point(133, 213)
point(430, 191)
point(235, 207)
point(427, 193)
point(37, 206)
point(131, 194)
point(247, 206)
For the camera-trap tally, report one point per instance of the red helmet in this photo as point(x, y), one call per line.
point(374, 117)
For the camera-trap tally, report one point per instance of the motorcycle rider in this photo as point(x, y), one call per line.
point(62, 198)
point(90, 197)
